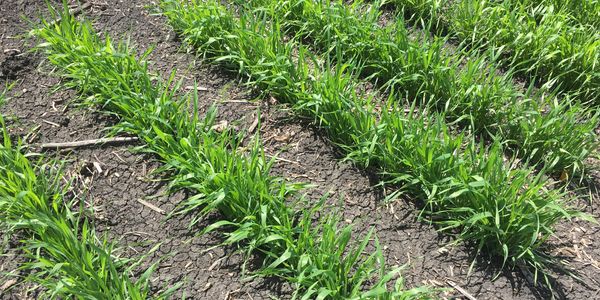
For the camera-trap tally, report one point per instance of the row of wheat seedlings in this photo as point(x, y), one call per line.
point(298, 241)
point(463, 84)
point(467, 188)
point(540, 41)
point(65, 257)
point(584, 12)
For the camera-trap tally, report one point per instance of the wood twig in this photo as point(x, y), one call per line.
point(198, 88)
point(460, 290)
point(88, 142)
point(254, 125)
point(283, 159)
point(51, 123)
point(151, 206)
point(7, 285)
point(12, 50)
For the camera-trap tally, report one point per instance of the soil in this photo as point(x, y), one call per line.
point(118, 191)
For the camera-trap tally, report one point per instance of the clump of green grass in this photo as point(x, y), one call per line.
point(66, 256)
point(552, 44)
point(4, 93)
point(2, 98)
point(464, 84)
point(580, 12)
point(467, 188)
point(261, 213)
point(344, 269)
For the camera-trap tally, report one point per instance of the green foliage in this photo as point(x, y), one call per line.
point(467, 188)
point(327, 265)
point(463, 83)
point(3, 93)
point(68, 258)
point(554, 42)
point(2, 98)
point(577, 12)
point(260, 213)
